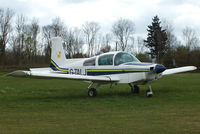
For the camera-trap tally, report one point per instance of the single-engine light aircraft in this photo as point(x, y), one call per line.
point(107, 68)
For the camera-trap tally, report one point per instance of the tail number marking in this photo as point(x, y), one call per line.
point(76, 71)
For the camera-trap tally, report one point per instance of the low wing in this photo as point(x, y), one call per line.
point(48, 73)
point(179, 70)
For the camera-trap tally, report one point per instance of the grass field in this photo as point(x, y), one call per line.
point(57, 106)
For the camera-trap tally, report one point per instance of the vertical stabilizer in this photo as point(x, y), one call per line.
point(58, 58)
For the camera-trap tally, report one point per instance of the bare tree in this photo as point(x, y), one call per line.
point(122, 30)
point(13, 43)
point(49, 31)
point(20, 29)
point(35, 29)
point(107, 39)
point(172, 41)
point(47, 34)
point(68, 42)
point(106, 43)
point(90, 30)
point(73, 42)
point(140, 45)
point(131, 47)
point(5, 30)
point(57, 26)
point(190, 38)
point(78, 41)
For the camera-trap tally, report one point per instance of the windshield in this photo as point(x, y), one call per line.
point(122, 57)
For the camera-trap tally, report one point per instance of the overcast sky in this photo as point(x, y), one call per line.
point(180, 13)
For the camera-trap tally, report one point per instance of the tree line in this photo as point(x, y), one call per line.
point(25, 43)
point(166, 49)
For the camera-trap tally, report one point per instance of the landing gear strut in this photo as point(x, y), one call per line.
point(149, 92)
point(134, 89)
point(92, 92)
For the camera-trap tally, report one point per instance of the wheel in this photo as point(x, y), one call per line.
point(92, 92)
point(135, 89)
point(149, 93)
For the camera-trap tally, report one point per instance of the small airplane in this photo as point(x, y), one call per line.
point(107, 68)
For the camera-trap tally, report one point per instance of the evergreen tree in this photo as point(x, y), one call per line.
point(156, 40)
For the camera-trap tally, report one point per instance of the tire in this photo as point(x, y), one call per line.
point(149, 93)
point(135, 89)
point(92, 92)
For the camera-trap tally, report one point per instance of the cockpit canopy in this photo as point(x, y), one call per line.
point(111, 59)
point(119, 58)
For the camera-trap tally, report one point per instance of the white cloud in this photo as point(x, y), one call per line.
point(74, 13)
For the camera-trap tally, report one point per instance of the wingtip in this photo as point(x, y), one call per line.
point(194, 67)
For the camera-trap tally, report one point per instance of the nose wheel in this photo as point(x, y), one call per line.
point(149, 92)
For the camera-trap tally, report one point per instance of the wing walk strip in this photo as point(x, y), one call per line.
point(55, 67)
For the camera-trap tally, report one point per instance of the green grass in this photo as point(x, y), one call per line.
point(58, 106)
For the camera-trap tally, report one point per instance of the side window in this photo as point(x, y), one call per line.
point(106, 60)
point(89, 62)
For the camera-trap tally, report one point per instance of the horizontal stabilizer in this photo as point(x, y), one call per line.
point(20, 73)
point(179, 70)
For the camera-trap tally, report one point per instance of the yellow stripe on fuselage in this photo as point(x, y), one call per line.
point(102, 70)
point(136, 70)
point(118, 70)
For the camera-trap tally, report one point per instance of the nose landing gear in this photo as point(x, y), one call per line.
point(149, 92)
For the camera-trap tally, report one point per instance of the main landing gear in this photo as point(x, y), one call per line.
point(136, 90)
point(92, 92)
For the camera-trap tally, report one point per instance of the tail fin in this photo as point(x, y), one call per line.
point(57, 53)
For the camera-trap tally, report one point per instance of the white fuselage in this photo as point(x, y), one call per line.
point(127, 72)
